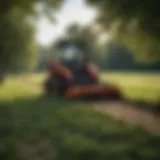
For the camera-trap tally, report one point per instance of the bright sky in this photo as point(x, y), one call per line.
point(72, 11)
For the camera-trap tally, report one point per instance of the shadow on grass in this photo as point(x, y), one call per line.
point(49, 127)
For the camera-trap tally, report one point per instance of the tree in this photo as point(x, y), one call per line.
point(44, 54)
point(29, 6)
point(17, 42)
point(118, 58)
point(90, 37)
point(85, 36)
point(136, 23)
point(18, 47)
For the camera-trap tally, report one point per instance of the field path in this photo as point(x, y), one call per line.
point(131, 114)
point(120, 110)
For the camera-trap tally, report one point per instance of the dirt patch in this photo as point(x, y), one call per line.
point(131, 114)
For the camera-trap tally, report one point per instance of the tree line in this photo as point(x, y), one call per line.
point(110, 56)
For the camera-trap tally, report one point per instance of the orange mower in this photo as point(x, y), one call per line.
point(72, 76)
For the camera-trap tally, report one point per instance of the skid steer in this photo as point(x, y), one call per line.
point(72, 76)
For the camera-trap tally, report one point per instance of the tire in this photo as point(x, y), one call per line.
point(49, 86)
point(61, 85)
point(56, 86)
point(117, 97)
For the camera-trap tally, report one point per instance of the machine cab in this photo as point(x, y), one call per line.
point(72, 55)
point(75, 58)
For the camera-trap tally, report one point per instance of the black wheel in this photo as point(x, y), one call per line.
point(61, 85)
point(117, 97)
point(49, 86)
point(56, 86)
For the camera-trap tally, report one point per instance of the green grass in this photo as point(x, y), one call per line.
point(74, 129)
point(15, 88)
point(36, 78)
point(136, 86)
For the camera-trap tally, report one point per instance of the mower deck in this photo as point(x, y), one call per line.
point(93, 92)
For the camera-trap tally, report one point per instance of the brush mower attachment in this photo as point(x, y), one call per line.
point(79, 85)
point(72, 76)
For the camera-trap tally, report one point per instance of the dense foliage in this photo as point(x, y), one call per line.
point(119, 58)
point(74, 35)
point(133, 22)
point(18, 46)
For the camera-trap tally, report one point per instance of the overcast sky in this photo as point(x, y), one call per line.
point(72, 11)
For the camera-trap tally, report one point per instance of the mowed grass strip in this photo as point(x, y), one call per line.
point(16, 88)
point(136, 86)
point(74, 130)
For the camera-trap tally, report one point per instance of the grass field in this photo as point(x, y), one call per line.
point(135, 86)
point(29, 120)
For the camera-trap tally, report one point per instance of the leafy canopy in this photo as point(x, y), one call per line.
point(131, 22)
point(18, 47)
